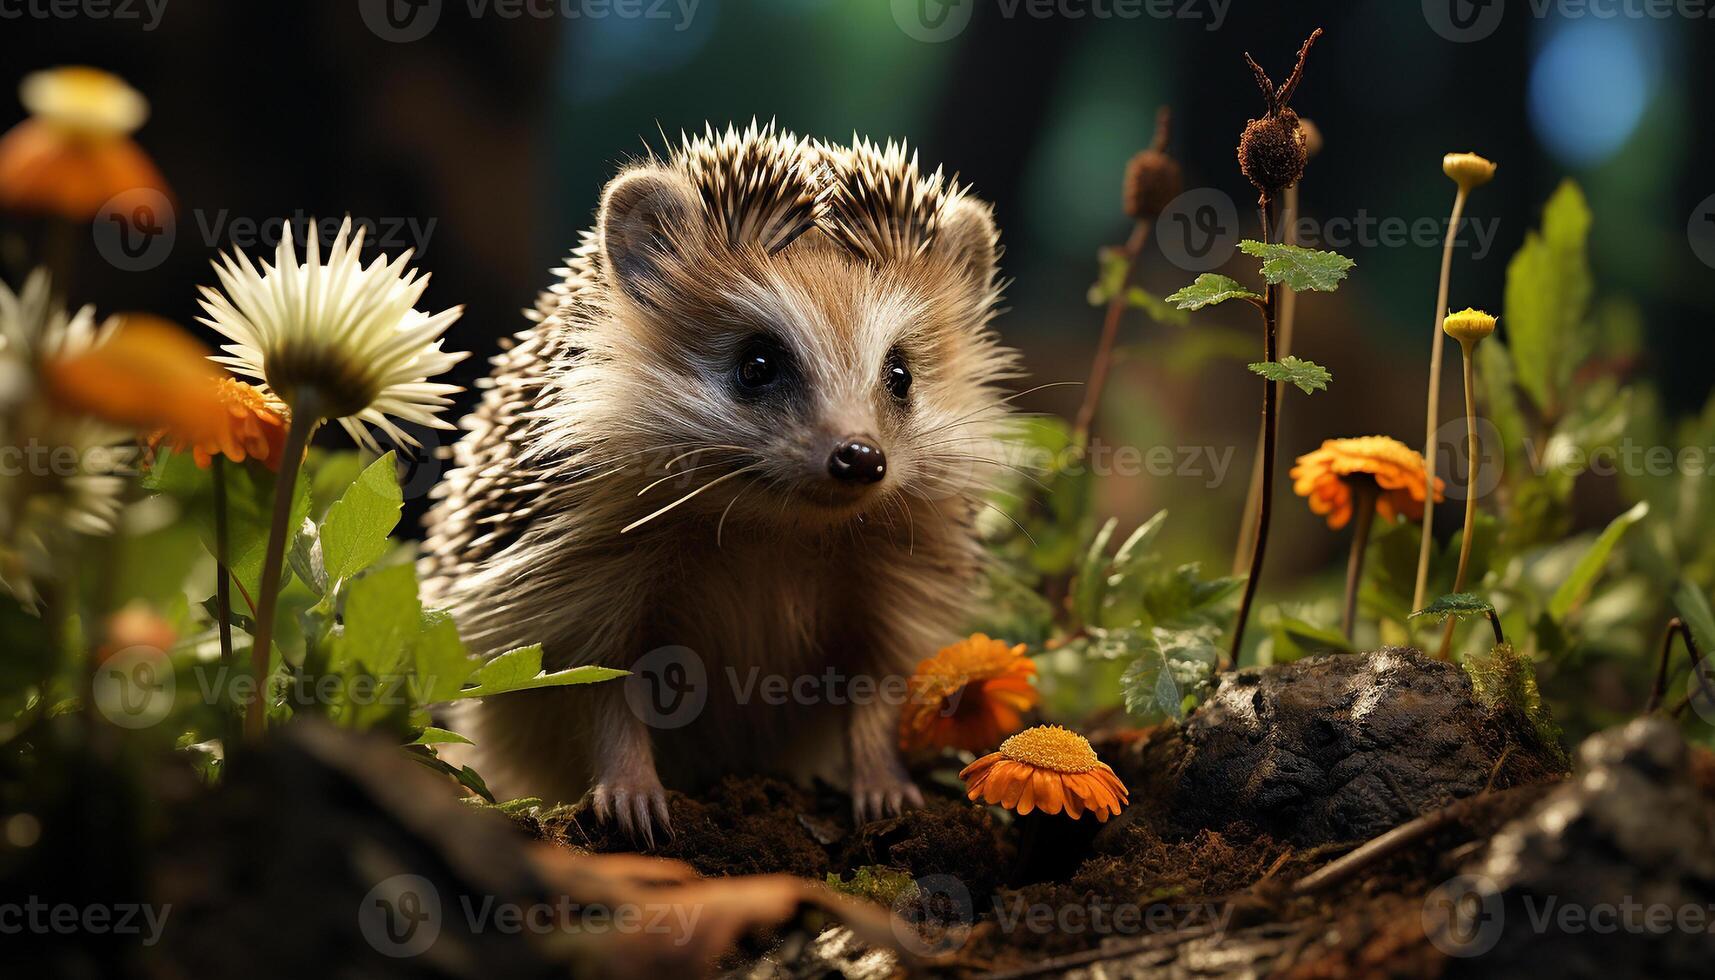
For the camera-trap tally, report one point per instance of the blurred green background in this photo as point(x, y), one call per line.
point(495, 131)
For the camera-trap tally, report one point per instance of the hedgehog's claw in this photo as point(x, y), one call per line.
point(888, 799)
point(638, 808)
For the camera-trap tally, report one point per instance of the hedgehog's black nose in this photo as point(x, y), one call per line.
point(858, 461)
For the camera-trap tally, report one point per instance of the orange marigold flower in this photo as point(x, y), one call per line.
point(968, 696)
point(1326, 478)
point(75, 152)
point(1047, 768)
point(250, 424)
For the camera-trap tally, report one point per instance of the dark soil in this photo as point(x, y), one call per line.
point(1282, 772)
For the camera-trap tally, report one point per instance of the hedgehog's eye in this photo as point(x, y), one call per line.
point(758, 366)
point(897, 376)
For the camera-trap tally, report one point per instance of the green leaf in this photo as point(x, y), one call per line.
point(1577, 585)
point(1299, 269)
point(439, 736)
point(521, 670)
point(1210, 289)
point(1155, 307)
point(1693, 607)
point(1295, 639)
point(1135, 551)
point(382, 618)
point(1171, 666)
point(305, 557)
point(354, 535)
point(1548, 299)
point(1309, 376)
point(1092, 582)
point(1112, 268)
point(249, 510)
point(439, 660)
point(1460, 605)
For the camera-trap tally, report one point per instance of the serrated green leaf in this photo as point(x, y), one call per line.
point(1210, 289)
point(1577, 585)
point(1460, 605)
point(1548, 299)
point(1309, 376)
point(521, 670)
point(1170, 667)
point(354, 535)
point(1299, 269)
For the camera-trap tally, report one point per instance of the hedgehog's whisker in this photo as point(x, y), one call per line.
point(717, 481)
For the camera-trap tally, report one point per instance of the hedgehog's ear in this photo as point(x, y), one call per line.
point(646, 216)
point(966, 235)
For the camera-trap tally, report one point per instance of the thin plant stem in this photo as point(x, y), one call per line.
point(1365, 505)
point(303, 423)
point(1288, 316)
point(1658, 690)
point(1495, 626)
point(1432, 411)
point(223, 581)
point(1271, 430)
point(222, 572)
point(1474, 453)
point(1102, 363)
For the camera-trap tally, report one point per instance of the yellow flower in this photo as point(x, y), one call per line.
point(1468, 326)
point(968, 696)
point(1047, 768)
point(1468, 170)
point(75, 152)
point(1325, 477)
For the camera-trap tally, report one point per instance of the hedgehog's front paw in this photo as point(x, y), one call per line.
point(638, 803)
point(884, 792)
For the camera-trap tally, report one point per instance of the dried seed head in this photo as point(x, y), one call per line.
point(1468, 326)
point(1468, 170)
point(1272, 153)
point(1152, 178)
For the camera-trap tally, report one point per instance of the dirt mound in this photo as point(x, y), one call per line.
point(1334, 748)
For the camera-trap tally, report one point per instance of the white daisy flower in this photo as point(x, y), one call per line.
point(65, 479)
point(335, 339)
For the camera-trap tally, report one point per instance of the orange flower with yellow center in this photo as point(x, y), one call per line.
point(1329, 476)
point(75, 152)
point(251, 424)
point(1047, 768)
point(968, 696)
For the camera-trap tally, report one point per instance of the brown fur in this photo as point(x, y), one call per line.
point(543, 532)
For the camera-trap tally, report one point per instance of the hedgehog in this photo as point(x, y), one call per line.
point(740, 448)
